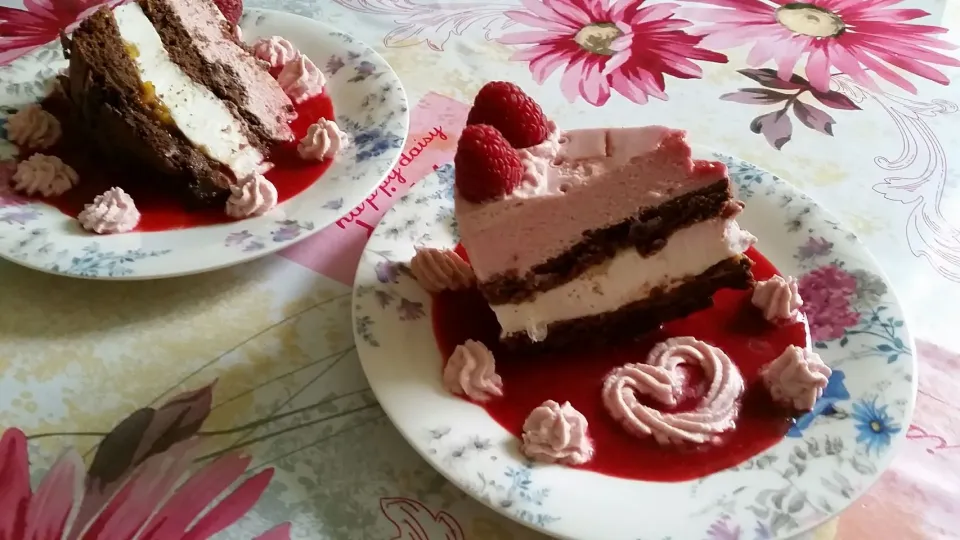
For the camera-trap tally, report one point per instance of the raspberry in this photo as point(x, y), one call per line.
point(487, 167)
point(504, 106)
point(231, 9)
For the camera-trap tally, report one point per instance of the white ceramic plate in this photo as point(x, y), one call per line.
point(369, 103)
point(830, 458)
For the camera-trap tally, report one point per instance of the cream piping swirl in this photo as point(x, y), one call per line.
point(554, 433)
point(44, 175)
point(660, 379)
point(796, 379)
point(111, 212)
point(34, 128)
point(322, 141)
point(275, 51)
point(441, 269)
point(778, 299)
point(252, 196)
point(471, 371)
point(300, 79)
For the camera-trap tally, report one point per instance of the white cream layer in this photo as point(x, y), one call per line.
point(199, 114)
point(627, 277)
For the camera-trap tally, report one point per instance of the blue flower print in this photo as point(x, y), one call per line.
point(369, 141)
point(835, 392)
point(447, 179)
point(874, 425)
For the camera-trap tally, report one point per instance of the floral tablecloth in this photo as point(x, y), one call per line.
point(248, 376)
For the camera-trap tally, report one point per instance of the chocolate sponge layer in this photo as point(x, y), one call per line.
point(647, 232)
point(641, 316)
point(116, 110)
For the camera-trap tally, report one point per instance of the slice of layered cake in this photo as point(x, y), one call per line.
point(590, 234)
point(168, 85)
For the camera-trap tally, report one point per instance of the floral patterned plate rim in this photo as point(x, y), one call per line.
point(370, 105)
point(825, 462)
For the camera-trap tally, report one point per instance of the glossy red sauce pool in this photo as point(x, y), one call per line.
point(732, 324)
point(159, 209)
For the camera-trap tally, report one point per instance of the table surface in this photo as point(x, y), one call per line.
point(262, 354)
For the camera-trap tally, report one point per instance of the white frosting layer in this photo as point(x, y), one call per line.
point(627, 277)
point(202, 117)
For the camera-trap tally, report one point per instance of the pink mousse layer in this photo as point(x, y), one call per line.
point(265, 98)
point(587, 179)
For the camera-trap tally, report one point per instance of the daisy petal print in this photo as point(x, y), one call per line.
point(194, 496)
point(22, 30)
point(14, 482)
point(161, 496)
point(875, 427)
point(859, 39)
point(56, 497)
point(604, 46)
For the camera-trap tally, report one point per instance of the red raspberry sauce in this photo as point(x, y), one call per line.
point(161, 211)
point(733, 325)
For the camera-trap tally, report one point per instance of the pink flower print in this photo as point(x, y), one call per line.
point(44, 513)
point(830, 277)
point(150, 505)
point(853, 36)
point(826, 294)
point(414, 521)
point(622, 46)
point(830, 318)
point(22, 30)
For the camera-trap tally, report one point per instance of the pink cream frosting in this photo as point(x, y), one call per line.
point(555, 433)
point(322, 141)
point(536, 162)
point(252, 196)
point(591, 179)
point(796, 379)
point(660, 380)
point(34, 128)
point(441, 269)
point(301, 79)
point(111, 212)
point(275, 51)
point(778, 299)
point(471, 371)
point(264, 97)
point(44, 175)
